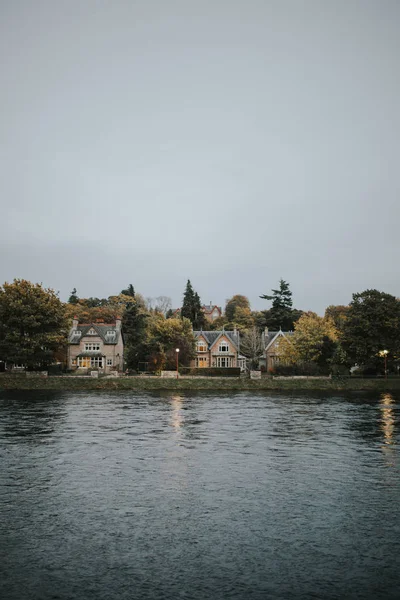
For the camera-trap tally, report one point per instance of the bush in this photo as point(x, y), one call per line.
point(310, 369)
point(210, 371)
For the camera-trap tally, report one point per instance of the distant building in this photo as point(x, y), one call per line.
point(270, 342)
point(218, 349)
point(96, 345)
point(211, 311)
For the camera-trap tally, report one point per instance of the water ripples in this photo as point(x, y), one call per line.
point(198, 496)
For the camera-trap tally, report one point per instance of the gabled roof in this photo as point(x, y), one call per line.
point(101, 330)
point(269, 338)
point(212, 337)
point(208, 308)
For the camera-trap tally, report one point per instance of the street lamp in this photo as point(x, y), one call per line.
point(177, 355)
point(383, 354)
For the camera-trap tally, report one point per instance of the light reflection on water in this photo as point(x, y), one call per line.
point(157, 496)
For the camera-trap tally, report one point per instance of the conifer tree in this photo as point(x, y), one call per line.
point(281, 314)
point(191, 307)
point(73, 299)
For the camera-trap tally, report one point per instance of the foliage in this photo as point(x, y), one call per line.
point(235, 303)
point(164, 336)
point(134, 323)
point(280, 315)
point(338, 314)
point(211, 371)
point(73, 299)
point(313, 341)
point(129, 291)
point(32, 323)
point(310, 369)
point(372, 325)
point(191, 308)
point(251, 346)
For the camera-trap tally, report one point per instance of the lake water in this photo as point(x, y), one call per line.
point(109, 496)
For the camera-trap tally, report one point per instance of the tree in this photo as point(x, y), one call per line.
point(73, 299)
point(134, 322)
point(314, 340)
point(129, 291)
point(338, 314)
point(372, 325)
point(237, 301)
point(281, 314)
point(191, 307)
point(163, 336)
point(251, 346)
point(32, 324)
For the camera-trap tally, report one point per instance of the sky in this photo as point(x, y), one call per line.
point(229, 142)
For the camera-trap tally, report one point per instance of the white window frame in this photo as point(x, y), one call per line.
point(109, 362)
point(201, 346)
point(92, 332)
point(92, 346)
point(223, 347)
point(224, 362)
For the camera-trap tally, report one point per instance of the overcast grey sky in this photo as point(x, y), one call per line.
point(232, 142)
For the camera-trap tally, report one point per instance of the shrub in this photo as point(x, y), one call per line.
point(211, 371)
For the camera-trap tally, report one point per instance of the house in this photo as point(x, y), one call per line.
point(96, 345)
point(270, 343)
point(218, 349)
point(211, 311)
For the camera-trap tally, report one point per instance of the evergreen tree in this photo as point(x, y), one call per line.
point(191, 307)
point(129, 291)
point(134, 323)
point(73, 299)
point(281, 314)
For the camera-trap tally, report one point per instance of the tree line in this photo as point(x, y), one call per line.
point(34, 325)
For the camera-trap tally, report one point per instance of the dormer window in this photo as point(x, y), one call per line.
point(201, 346)
point(223, 347)
point(76, 334)
point(110, 334)
point(92, 331)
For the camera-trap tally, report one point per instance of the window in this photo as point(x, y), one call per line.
point(92, 332)
point(109, 362)
point(201, 346)
point(223, 361)
point(93, 361)
point(201, 362)
point(223, 347)
point(92, 347)
point(73, 362)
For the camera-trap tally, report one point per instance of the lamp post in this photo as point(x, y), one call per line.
point(384, 354)
point(177, 355)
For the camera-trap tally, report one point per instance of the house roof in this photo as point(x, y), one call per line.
point(212, 336)
point(208, 308)
point(271, 336)
point(101, 330)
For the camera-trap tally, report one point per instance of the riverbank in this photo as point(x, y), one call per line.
point(20, 382)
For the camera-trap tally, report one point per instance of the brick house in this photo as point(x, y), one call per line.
point(218, 349)
point(211, 312)
point(270, 343)
point(96, 345)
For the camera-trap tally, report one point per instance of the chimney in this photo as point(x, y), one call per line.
point(118, 323)
point(75, 322)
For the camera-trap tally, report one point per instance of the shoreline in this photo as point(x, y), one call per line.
point(66, 383)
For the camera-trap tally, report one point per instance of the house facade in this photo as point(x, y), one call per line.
point(218, 349)
point(211, 312)
point(270, 343)
point(96, 346)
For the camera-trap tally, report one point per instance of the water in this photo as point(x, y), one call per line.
point(157, 496)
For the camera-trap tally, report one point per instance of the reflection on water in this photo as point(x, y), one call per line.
point(388, 418)
point(177, 416)
point(114, 496)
